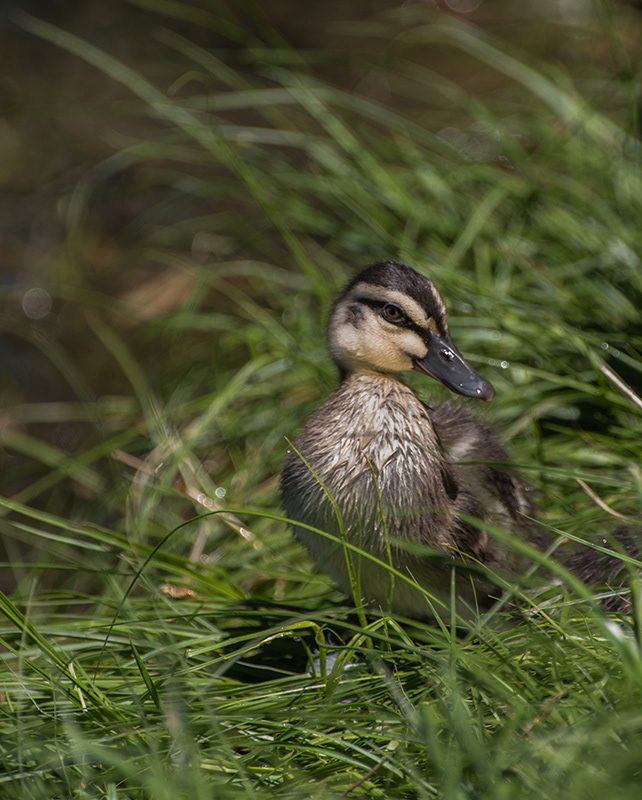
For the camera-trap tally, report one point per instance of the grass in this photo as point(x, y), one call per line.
point(163, 634)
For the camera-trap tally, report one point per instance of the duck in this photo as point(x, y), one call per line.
point(382, 488)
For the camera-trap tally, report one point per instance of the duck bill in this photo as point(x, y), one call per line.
point(446, 364)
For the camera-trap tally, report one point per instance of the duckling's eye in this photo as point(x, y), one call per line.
point(392, 313)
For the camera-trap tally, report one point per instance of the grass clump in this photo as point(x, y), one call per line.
point(163, 634)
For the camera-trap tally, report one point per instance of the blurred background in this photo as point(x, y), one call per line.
point(186, 185)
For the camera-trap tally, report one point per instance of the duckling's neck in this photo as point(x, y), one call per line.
point(375, 407)
point(371, 381)
point(369, 374)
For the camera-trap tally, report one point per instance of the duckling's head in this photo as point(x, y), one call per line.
point(391, 319)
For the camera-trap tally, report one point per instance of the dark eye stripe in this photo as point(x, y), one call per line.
point(403, 321)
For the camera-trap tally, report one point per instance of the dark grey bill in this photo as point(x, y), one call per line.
point(446, 364)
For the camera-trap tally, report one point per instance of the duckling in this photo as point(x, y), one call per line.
point(405, 478)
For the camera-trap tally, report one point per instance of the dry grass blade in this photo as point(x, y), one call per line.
point(194, 494)
point(598, 500)
point(619, 383)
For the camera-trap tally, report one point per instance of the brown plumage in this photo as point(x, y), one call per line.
point(376, 447)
